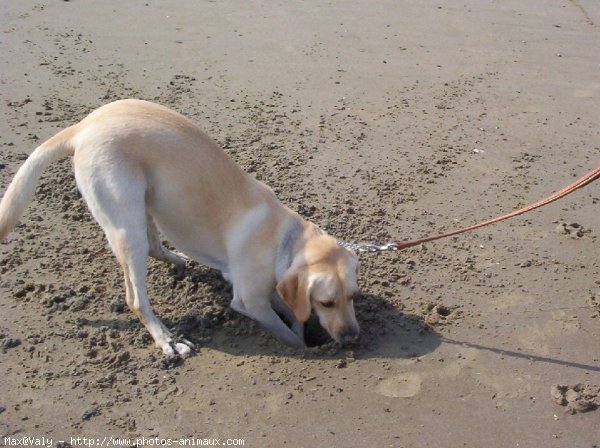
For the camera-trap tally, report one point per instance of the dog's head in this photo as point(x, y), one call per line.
point(322, 278)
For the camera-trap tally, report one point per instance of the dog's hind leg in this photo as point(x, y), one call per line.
point(160, 252)
point(115, 196)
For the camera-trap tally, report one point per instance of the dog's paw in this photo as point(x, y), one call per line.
point(168, 350)
point(182, 349)
point(183, 258)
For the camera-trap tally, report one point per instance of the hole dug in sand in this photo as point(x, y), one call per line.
point(314, 334)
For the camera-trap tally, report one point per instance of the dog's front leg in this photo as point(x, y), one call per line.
point(259, 309)
point(281, 308)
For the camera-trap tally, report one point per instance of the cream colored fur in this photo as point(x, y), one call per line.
point(142, 167)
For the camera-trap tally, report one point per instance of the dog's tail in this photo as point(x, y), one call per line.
point(21, 189)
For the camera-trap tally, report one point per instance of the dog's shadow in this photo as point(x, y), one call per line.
point(386, 331)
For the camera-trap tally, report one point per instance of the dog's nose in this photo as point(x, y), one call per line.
point(349, 334)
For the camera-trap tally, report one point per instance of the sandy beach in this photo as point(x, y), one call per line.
point(378, 121)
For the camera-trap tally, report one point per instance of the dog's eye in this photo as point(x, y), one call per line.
point(328, 304)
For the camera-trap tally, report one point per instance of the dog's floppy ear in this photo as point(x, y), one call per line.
point(293, 289)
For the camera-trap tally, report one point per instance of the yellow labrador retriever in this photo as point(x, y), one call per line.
point(141, 166)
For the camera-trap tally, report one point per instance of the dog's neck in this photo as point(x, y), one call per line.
point(286, 250)
point(297, 232)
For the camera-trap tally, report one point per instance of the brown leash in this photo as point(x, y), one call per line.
point(399, 245)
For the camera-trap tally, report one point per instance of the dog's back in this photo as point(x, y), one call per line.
point(186, 173)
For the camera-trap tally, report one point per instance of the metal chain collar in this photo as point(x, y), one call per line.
point(368, 247)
